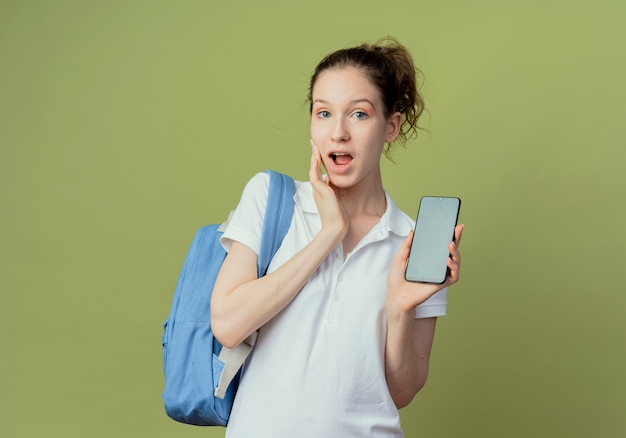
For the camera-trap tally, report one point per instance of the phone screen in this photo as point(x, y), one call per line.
point(434, 230)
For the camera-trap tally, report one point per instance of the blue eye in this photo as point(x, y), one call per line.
point(360, 115)
point(323, 114)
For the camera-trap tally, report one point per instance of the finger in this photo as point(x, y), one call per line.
point(322, 167)
point(403, 253)
point(454, 263)
point(454, 252)
point(315, 172)
point(312, 166)
point(455, 270)
point(320, 163)
point(458, 233)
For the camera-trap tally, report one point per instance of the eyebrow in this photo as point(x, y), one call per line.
point(352, 102)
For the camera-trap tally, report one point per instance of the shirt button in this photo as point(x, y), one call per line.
point(336, 297)
point(339, 255)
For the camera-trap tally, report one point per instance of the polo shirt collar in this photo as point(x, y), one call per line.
point(395, 219)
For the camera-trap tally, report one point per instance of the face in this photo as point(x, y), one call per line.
point(349, 127)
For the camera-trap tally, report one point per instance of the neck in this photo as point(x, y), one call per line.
point(365, 203)
point(365, 199)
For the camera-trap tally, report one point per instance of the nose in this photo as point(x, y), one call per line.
point(340, 131)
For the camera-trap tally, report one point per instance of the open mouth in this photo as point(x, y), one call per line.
point(341, 158)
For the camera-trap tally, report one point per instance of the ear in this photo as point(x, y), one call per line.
point(393, 127)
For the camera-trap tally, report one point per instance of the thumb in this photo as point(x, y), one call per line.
point(403, 253)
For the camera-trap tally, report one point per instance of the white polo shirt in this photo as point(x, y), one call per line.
point(318, 367)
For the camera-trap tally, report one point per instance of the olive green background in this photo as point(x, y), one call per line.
point(126, 125)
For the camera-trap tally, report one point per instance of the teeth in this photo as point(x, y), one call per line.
point(335, 155)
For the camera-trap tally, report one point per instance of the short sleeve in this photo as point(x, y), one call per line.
point(245, 223)
point(434, 306)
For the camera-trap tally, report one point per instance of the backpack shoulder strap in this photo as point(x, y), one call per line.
point(277, 220)
point(276, 223)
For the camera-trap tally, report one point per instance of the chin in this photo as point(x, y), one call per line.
point(341, 181)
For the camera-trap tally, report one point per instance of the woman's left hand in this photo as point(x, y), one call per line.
point(405, 295)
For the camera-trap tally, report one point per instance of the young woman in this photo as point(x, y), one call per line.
point(344, 341)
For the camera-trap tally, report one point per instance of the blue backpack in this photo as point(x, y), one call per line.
point(202, 376)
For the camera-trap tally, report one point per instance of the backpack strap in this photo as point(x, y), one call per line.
point(276, 223)
point(277, 220)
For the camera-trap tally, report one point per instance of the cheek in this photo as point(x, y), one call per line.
point(316, 131)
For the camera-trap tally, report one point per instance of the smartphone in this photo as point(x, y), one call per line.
point(434, 230)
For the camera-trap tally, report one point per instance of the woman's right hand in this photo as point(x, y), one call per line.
point(241, 302)
point(332, 212)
